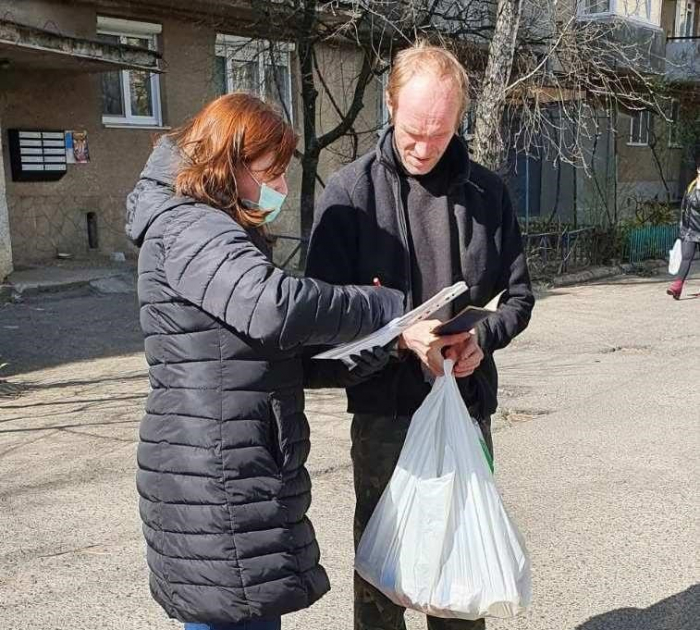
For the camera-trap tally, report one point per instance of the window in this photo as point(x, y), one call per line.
point(130, 97)
point(255, 66)
point(674, 140)
point(640, 9)
point(591, 7)
point(383, 118)
point(468, 122)
point(686, 14)
point(640, 124)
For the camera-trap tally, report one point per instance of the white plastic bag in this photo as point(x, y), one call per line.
point(675, 256)
point(440, 540)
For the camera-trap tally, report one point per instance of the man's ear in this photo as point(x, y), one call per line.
point(389, 106)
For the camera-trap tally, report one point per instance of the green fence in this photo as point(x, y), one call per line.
point(650, 242)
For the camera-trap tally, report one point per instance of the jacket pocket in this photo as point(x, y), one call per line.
point(291, 429)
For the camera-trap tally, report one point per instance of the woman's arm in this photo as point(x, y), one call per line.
point(211, 262)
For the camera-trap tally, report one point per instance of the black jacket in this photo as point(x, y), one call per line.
point(221, 477)
point(690, 214)
point(360, 233)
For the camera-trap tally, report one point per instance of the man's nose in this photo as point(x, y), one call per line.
point(421, 149)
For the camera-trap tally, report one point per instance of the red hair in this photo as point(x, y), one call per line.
point(230, 132)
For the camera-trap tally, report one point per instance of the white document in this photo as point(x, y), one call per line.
point(395, 327)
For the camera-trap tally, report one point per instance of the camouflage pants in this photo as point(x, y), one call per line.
point(376, 445)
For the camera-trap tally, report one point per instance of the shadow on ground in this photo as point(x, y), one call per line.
point(51, 330)
point(678, 612)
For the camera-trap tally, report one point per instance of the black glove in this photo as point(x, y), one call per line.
point(368, 362)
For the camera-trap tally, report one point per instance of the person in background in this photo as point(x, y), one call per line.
point(689, 232)
point(221, 477)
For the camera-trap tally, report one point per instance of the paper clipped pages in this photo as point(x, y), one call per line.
point(395, 327)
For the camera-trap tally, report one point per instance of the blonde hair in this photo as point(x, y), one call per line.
point(423, 58)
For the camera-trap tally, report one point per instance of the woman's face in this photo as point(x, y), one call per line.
point(249, 188)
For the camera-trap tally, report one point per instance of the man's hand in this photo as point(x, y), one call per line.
point(466, 355)
point(427, 346)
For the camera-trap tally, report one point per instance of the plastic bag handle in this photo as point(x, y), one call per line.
point(447, 366)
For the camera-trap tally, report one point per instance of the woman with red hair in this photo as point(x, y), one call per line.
point(221, 477)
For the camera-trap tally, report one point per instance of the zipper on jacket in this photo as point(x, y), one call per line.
point(404, 235)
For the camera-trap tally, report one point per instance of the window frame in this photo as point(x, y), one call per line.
point(683, 9)
point(639, 3)
point(244, 52)
point(584, 8)
point(124, 29)
point(644, 131)
point(468, 122)
point(621, 9)
point(673, 127)
point(383, 117)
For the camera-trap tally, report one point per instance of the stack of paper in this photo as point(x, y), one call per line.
point(395, 327)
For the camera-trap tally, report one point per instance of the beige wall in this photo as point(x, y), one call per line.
point(639, 172)
point(619, 175)
point(52, 15)
point(340, 65)
point(637, 165)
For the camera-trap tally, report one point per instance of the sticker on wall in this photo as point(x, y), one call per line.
point(70, 158)
point(80, 147)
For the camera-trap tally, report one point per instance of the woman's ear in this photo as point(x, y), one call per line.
point(237, 148)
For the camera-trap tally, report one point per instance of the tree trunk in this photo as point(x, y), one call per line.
point(309, 94)
point(307, 198)
point(488, 145)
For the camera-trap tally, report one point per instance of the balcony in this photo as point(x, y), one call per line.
point(627, 43)
point(683, 59)
point(23, 46)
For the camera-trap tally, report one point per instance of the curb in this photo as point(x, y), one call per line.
point(15, 292)
point(602, 273)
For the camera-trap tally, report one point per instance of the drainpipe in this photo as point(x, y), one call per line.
point(615, 156)
point(527, 192)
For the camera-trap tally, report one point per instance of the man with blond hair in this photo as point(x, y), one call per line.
point(417, 215)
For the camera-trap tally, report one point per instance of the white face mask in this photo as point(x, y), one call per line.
point(269, 201)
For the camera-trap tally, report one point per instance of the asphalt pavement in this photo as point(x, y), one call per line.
point(596, 457)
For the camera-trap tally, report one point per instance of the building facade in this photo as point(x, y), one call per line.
point(111, 76)
point(117, 106)
point(635, 155)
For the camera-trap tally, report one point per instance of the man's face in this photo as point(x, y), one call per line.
point(425, 119)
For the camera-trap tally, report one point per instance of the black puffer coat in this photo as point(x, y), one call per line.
point(690, 214)
point(222, 483)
